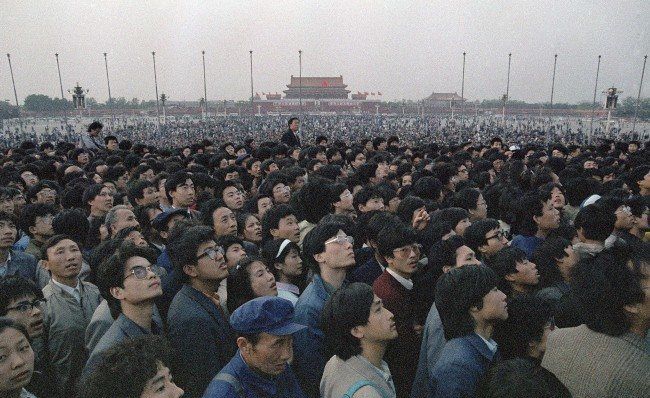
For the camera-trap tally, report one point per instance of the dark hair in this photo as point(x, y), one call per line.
point(378, 221)
point(31, 212)
point(125, 368)
point(314, 242)
point(527, 318)
point(136, 188)
point(109, 138)
point(272, 217)
point(546, 256)
point(408, 206)
point(339, 318)
point(596, 222)
point(94, 126)
point(15, 287)
point(238, 285)
point(291, 119)
point(527, 208)
point(428, 188)
point(517, 378)
point(111, 272)
point(182, 249)
point(504, 263)
point(271, 256)
point(72, 222)
point(457, 292)
point(606, 284)
point(393, 237)
point(173, 181)
point(91, 192)
point(53, 241)
point(208, 208)
point(467, 198)
point(475, 233)
point(364, 195)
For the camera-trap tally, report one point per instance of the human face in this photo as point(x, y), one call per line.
point(16, 361)
point(590, 164)
point(407, 179)
point(207, 268)
point(381, 324)
point(359, 160)
point(46, 195)
point(495, 241)
point(102, 203)
point(557, 197)
point(28, 312)
point(112, 145)
point(224, 222)
point(19, 202)
point(30, 178)
point(253, 229)
point(263, 205)
point(624, 218)
point(480, 213)
point(372, 204)
point(262, 280)
point(184, 194)
point(346, 201)
point(7, 205)
point(462, 226)
point(567, 262)
point(233, 197)
point(112, 189)
point(8, 234)
point(136, 290)
point(234, 253)
point(494, 307)
point(526, 275)
point(288, 228)
point(550, 218)
point(273, 167)
point(150, 197)
point(231, 176)
point(124, 218)
point(405, 260)
point(463, 173)
point(281, 193)
point(137, 239)
point(466, 256)
point(294, 126)
point(338, 252)
point(64, 262)
point(292, 265)
point(121, 181)
point(256, 170)
point(161, 385)
point(42, 228)
point(270, 355)
point(83, 158)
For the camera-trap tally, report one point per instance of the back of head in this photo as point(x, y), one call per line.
point(521, 378)
point(595, 222)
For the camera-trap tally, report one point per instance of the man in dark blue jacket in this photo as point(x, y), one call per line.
point(198, 328)
point(469, 304)
point(290, 137)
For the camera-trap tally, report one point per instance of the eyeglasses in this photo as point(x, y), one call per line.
point(141, 271)
point(341, 240)
point(414, 248)
point(212, 253)
point(26, 306)
point(498, 235)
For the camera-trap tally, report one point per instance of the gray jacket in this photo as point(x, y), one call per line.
point(433, 340)
point(340, 375)
point(65, 321)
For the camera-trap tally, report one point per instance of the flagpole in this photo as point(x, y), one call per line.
point(205, 90)
point(11, 70)
point(65, 107)
point(638, 97)
point(507, 92)
point(155, 79)
point(110, 97)
point(593, 105)
point(300, 79)
point(462, 87)
point(252, 106)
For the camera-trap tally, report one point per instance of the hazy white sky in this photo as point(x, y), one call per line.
point(405, 49)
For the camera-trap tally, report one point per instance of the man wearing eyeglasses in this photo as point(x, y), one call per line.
point(197, 327)
point(398, 245)
point(328, 251)
point(485, 238)
point(23, 302)
point(130, 285)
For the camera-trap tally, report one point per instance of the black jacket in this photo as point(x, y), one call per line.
point(290, 139)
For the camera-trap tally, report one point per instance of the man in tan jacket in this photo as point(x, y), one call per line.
point(358, 336)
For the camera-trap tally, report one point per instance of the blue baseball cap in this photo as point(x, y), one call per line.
point(160, 222)
point(268, 314)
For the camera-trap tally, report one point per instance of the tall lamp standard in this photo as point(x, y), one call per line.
point(593, 105)
point(65, 108)
point(462, 88)
point(110, 97)
point(205, 90)
point(155, 79)
point(11, 70)
point(300, 79)
point(505, 98)
point(638, 97)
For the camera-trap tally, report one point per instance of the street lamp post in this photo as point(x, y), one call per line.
point(553, 82)
point(505, 99)
point(593, 105)
point(252, 106)
point(155, 79)
point(13, 82)
point(462, 89)
point(110, 97)
point(638, 97)
point(300, 79)
point(65, 109)
point(205, 90)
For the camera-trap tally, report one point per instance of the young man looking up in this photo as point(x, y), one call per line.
point(398, 246)
point(197, 326)
point(11, 261)
point(328, 252)
point(99, 199)
point(485, 238)
point(70, 305)
point(37, 224)
point(130, 285)
point(517, 275)
point(358, 336)
point(280, 222)
point(470, 305)
point(180, 192)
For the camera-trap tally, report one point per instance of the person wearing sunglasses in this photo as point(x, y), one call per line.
point(22, 301)
point(398, 245)
point(328, 252)
point(130, 285)
point(198, 328)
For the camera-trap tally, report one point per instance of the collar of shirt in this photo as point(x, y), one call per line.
point(383, 372)
point(407, 283)
point(4, 265)
point(288, 287)
point(73, 291)
point(491, 344)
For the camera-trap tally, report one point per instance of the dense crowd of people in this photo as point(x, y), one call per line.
point(350, 257)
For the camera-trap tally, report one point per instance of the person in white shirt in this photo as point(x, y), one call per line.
point(283, 257)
